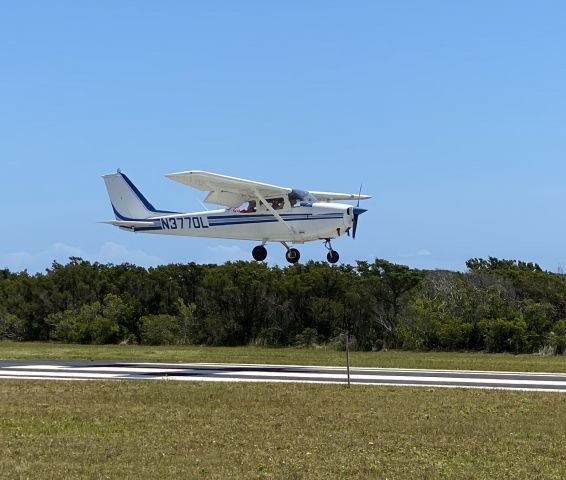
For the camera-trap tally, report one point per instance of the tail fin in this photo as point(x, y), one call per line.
point(127, 201)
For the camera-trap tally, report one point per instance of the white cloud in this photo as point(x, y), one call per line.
point(37, 261)
point(224, 253)
point(109, 252)
point(15, 258)
point(112, 252)
point(67, 250)
point(423, 252)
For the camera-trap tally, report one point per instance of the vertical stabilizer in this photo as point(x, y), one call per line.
point(127, 201)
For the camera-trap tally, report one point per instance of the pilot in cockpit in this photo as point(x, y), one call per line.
point(277, 203)
point(294, 198)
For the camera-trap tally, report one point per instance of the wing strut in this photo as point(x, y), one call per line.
point(272, 210)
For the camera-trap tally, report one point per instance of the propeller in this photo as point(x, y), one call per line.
point(357, 212)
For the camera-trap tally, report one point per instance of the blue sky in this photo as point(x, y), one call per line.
point(452, 114)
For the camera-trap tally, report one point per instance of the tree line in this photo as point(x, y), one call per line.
point(495, 306)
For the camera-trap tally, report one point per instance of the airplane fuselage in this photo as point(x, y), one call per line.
point(301, 224)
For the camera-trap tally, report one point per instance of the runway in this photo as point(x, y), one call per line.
point(108, 370)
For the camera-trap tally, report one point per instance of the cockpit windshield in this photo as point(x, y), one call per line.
point(301, 198)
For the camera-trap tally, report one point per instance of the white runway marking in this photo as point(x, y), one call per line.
point(400, 378)
point(90, 370)
point(26, 373)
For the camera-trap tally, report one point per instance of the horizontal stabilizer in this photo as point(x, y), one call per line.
point(129, 223)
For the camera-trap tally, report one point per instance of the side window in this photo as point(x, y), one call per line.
point(250, 207)
point(301, 198)
point(294, 199)
point(276, 203)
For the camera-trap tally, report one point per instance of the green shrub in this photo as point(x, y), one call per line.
point(11, 327)
point(67, 327)
point(101, 330)
point(159, 329)
point(267, 337)
point(505, 334)
point(558, 337)
point(88, 325)
point(307, 338)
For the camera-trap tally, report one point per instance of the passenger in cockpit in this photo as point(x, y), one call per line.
point(276, 203)
point(250, 208)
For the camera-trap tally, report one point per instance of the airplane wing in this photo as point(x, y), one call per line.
point(331, 196)
point(225, 190)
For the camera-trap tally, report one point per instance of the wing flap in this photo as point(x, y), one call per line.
point(228, 199)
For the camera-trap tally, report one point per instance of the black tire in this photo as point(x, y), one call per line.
point(259, 253)
point(332, 256)
point(292, 255)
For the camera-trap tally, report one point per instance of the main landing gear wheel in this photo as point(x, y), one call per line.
point(332, 256)
point(292, 255)
point(259, 253)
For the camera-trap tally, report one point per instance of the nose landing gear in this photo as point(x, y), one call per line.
point(332, 255)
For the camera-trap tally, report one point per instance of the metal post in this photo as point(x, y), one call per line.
point(348, 356)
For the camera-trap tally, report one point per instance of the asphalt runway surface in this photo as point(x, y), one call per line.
point(108, 370)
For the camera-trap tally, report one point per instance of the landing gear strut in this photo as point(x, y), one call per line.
point(292, 255)
point(332, 255)
point(259, 253)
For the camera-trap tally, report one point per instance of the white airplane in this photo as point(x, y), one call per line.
point(254, 211)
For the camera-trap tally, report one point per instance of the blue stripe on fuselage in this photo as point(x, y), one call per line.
point(217, 221)
point(242, 219)
point(119, 216)
point(146, 229)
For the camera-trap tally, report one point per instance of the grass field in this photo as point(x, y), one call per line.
point(166, 429)
point(297, 356)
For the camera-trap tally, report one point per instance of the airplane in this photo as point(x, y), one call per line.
point(253, 211)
